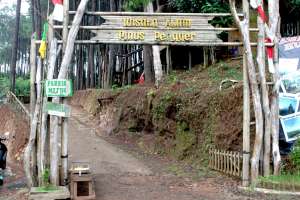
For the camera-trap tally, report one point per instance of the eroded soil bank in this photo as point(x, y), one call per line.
point(16, 125)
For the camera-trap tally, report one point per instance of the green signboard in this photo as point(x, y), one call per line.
point(59, 88)
point(57, 109)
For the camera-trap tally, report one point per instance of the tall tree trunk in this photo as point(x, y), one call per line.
point(91, 56)
point(156, 52)
point(91, 68)
point(111, 54)
point(33, 20)
point(148, 65)
point(15, 48)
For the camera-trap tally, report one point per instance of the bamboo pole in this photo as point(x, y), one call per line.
point(29, 171)
point(32, 76)
point(246, 113)
point(64, 130)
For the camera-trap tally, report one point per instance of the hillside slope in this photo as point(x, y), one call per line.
point(183, 118)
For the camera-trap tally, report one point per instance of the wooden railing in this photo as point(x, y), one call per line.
point(227, 162)
point(12, 99)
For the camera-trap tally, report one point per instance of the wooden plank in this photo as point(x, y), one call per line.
point(156, 37)
point(156, 29)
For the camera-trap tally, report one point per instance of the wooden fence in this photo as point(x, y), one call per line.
point(227, 162)
point(12, 99)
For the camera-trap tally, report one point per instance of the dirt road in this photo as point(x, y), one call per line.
point(121, 176)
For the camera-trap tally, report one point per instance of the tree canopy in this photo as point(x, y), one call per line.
point(7, 24)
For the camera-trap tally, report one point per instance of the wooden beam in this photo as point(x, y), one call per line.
point(167, 43)
point(144, 28)
point(156, 14)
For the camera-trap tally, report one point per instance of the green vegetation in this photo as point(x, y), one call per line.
point(294, 2)
point(172, 78)
point(295, 158)
point(223, 71)
point(46, 176)
point(22, 86)
point(288, 181)
point(184, 141)
point(160, 109)
point(290, 174)
point(133, 5)
point(116, 88)
point(46, 182)
point(47, 189)
point(205, 6)
point(4, 85)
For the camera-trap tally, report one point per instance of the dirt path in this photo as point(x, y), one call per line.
point(121, 176)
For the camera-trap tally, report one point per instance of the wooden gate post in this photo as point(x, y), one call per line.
point(64, 130)
point(246, 113)
point(32, 76)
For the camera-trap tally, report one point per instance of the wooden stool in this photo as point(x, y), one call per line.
point(82, 187)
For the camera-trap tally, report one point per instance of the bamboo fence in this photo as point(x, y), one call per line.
point(227, 162)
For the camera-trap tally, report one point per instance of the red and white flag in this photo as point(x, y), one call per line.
point(264, 18)
point(58, 12)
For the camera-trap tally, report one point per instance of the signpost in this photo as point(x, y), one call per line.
point(156, 28)
point(58, 88)
point(56, 109)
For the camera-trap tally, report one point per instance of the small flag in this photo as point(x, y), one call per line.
point(270, 54)
point(43, 46)
point(58, 12)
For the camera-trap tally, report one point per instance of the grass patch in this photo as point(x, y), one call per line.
point(160, 109)
point(283, 182)
point(176, 170)
point(223, 71)
point(47, 189)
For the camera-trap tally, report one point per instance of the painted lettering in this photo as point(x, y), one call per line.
point(140, 22)
point(131, 36)
point(179, 23)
